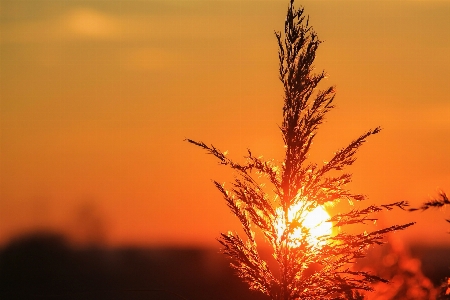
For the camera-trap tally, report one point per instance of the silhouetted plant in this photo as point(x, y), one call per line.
point(444, 293)
point(393, 261)
point(311, 266)
point(441, 201)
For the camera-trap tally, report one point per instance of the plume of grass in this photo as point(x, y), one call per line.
point(306, 270)
point(444, 293)
point(441, 201)
point(393, 261)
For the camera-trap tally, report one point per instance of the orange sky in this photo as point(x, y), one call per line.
point(97, 97)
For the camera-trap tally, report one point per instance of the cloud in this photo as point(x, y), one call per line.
point(88, 23)
point(75, 24)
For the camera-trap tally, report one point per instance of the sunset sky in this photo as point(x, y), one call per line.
point(98, 96)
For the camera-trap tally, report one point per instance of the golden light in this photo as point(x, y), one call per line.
point(314, 220)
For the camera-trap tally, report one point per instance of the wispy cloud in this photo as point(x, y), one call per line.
point(75, 24)
point(87, 23)
point(138, 41)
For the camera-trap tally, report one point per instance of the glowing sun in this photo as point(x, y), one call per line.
point(314, 221)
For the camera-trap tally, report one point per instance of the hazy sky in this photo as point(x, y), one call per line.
point(97, 97)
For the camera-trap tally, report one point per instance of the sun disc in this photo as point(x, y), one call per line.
point(314, 220)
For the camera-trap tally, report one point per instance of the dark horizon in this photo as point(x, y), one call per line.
point(45, 266)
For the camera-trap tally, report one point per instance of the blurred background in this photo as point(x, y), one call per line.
point(98, 96)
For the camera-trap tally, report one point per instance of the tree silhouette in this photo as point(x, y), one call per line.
point(310, 267)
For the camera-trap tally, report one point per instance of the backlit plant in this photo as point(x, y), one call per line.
point(312, 262)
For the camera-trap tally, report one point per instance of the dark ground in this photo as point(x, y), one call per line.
point(43, 266)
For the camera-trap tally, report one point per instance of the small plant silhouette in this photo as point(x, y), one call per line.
point(310, 265)
point(441, 201)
